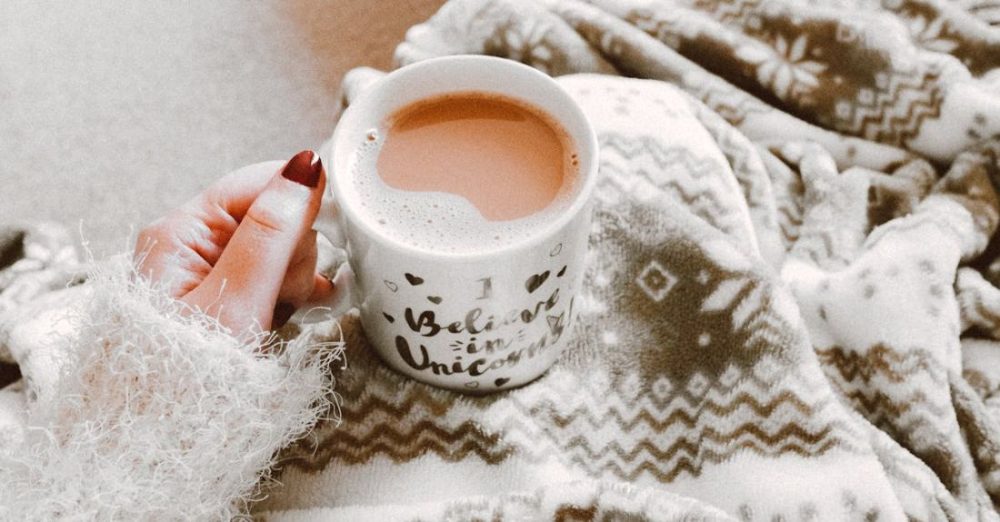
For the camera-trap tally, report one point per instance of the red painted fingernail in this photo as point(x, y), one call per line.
point(282, 313)
point(304, 168)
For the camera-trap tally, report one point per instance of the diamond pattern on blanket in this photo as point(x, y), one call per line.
point(656, 281)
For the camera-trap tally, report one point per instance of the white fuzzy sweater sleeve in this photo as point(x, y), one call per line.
point(136, 412)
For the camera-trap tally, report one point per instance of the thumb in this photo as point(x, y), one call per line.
point(243, 286)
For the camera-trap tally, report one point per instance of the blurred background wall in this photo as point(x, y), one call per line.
point(112, 113)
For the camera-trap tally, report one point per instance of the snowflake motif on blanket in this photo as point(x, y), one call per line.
point(785, 70)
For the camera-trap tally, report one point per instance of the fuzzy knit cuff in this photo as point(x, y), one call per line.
point(148, 413)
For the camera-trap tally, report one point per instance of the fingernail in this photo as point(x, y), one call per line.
point(282, 313)
point(304, 168)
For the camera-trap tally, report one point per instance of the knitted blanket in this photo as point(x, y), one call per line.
point(790, 309)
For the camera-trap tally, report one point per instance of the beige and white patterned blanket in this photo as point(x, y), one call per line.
point(790, 308)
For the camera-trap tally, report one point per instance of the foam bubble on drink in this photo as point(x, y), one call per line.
point(439, 221)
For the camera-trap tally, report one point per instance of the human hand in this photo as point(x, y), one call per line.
point(243, 250)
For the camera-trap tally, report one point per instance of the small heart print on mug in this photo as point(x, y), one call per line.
point(536, 281)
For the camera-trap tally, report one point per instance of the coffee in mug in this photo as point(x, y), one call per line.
point(460, 188)
point(465, 172)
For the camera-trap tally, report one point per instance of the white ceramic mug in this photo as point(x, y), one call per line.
point(473, 322)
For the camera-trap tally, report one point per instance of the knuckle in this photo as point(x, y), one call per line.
point(267, 220)
point(272, 214)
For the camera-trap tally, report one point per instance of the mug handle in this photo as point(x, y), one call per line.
point(345, 294)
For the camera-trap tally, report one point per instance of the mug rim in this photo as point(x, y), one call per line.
point(579, 200)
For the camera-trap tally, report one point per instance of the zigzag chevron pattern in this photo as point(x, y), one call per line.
point(638, 148)
point(400, 445)
point(905, 394)
point(890, 387)
point(593, 432)
point(734, 105)
point(895, 113)
point(695, 182)
point(883, 361)
point(745, 162)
